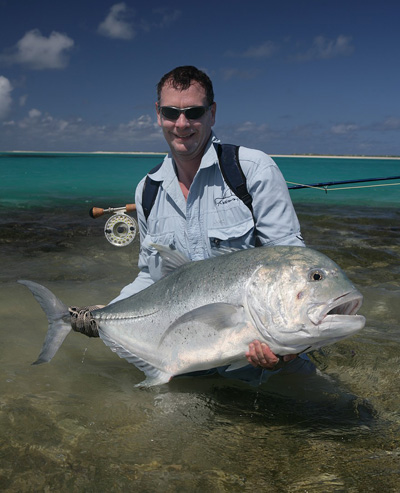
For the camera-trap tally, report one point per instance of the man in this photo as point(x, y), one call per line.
point(195, 211)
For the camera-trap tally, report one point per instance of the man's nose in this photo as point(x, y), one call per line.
point(182, 121)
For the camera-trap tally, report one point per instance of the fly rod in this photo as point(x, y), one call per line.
point(330, 183)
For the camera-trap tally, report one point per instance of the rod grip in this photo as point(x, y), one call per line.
point(130, 207)
point(96, 212)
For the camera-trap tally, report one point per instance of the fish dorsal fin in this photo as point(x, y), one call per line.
point(224, 250)
point(154, 376)
point(171, 259)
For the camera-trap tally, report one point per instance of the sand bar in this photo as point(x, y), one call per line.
point(139, 153)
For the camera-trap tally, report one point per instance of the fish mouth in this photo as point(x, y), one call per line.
point(339, 313)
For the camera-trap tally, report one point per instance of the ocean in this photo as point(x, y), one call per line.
point(79, 424)
point(30, 180)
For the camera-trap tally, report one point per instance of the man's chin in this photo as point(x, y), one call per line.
point(183, 147)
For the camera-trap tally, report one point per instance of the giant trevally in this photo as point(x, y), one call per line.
point(204, 314)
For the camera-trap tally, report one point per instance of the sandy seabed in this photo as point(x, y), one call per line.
point(79, 424)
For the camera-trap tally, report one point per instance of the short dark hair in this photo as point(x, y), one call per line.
point(181, 78)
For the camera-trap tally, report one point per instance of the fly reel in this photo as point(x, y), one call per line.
point(120, 229)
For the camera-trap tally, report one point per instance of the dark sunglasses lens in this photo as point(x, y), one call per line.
point(170, 113)
point(191, 113)
point(195, 113)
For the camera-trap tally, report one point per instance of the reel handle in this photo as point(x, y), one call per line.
point(96, 212)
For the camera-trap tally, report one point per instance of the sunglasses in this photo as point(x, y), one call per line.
point(191, 113)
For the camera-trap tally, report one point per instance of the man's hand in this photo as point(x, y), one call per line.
point(259, 354)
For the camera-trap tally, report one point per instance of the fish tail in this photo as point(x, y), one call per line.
point(58, 317)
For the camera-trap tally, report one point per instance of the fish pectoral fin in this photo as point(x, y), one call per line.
point(154, 376)
point(216, 315)
point(171, 259)
point(237, 364)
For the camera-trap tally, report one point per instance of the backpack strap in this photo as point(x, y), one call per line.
point(150, 190)
point(228, 158)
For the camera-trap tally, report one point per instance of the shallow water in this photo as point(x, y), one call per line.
point(79, 424)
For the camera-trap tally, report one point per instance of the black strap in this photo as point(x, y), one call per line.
point(228, 158)
point(150, 190)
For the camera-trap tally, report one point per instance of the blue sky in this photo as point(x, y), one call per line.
point(304, 76)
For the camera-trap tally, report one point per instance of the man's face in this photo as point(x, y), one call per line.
point(186, 138)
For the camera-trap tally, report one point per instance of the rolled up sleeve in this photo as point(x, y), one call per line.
point(274, 214)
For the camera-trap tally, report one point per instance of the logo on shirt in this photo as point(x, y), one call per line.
point(228, 196)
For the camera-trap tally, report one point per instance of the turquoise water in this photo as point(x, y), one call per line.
point(31, 180)
point(34, 179)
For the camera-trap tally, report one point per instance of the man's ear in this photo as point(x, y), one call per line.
point(158, 114)
point(213, 112)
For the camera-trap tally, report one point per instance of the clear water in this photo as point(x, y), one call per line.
point(80, 424)
point(33, 180)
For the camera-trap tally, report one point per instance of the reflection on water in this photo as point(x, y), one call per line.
point(79, 424)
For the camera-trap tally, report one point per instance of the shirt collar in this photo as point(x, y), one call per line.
point(166, 172)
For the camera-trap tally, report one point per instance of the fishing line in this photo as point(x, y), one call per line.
point(365, 186)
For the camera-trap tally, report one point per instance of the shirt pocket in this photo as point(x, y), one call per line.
point(236, 236)
point(150, 256)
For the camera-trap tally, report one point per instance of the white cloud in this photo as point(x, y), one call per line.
point(391, 123)
point(235, 73)
point(5, 96)
point(143, 122)
point(38, 52)
point(323, 48)
point(344, 128)
point(44, 132)
point(116, 24)
point(22, 99)
point(34, 113)
point(168, 16)
point(264, 50)
point(41, 131)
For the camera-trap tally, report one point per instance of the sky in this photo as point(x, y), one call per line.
point(289, 76)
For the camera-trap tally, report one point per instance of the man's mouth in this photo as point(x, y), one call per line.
point(184, 137)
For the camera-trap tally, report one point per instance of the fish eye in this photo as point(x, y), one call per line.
point(315, 275)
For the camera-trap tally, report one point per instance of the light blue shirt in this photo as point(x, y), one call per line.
point(213, 216)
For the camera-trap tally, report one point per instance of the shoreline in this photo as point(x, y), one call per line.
point(139, 153)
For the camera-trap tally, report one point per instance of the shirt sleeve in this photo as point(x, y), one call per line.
point(275, 218)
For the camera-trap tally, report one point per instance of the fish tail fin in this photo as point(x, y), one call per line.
point(58, 317)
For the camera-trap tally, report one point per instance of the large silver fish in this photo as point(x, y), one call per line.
point(204, 314)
